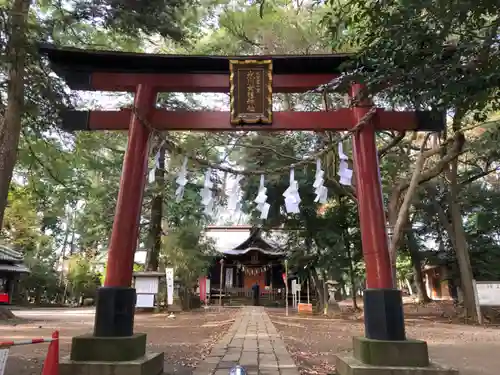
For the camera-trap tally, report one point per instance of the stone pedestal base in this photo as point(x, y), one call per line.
point(348, 365)
point(379, 357)
point(149, 364)
point(92, 355)
point(91, 348)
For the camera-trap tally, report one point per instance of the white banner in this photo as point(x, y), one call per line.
point(169, 273)
point(229, 277)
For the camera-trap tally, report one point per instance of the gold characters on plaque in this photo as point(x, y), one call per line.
point(253, 88)
point(251, 91)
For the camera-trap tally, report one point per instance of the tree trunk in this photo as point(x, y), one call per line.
point(392, 216)
point(400, 220)
point(60, 262)
point(320, 290)
point(352, 276)
point(326, 296)
point(409, 286)
point(416, 264)
point(155, 229)
point(10, 124)
point(461, 246)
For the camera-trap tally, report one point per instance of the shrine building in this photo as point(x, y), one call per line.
point(246, 256)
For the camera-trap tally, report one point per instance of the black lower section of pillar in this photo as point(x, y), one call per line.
point(384, 319)
point(114, 315)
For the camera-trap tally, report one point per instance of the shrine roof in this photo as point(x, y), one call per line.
point(239, 241)
point(12, 260)
point(10, 255)
point(68, 60)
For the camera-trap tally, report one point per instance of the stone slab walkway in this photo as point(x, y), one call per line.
point(253, 343)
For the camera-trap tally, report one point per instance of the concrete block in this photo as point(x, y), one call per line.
point(233, 357)
point(212, 359)
point(91, 348)
point(249, 359)
point(285, 361)
point(218, 351)
point(348, 365)
point(267, 361)
point(149, 364)
point(412, 353)
point(226, 365)
point(236, 343)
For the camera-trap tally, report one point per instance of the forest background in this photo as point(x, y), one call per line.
point(58, 190)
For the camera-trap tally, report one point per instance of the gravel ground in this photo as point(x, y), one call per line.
point(185, 340)
point(313, 342)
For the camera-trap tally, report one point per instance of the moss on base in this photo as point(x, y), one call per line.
point(91, 348)
point(409, 353)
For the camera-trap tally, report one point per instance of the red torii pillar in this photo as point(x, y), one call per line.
point(383, 305)
point(117, 289)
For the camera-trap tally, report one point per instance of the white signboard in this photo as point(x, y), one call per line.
point(169, 273)
point(294, 286)
point(488, 293)
point(146, 285)
point(144, 300)
point(4, 354)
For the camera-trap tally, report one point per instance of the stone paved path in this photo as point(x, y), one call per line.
point(252, 342)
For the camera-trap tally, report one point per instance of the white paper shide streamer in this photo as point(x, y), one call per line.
point(181, 181)
point(234, 195)
point(152, 172)
point(292, 197)
point(344, 172)
point(206, 193)
point(320, 190)
point(261, 200)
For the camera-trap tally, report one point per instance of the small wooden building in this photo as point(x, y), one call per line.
point(256, 260)
point(436, 279)
point(11, 268)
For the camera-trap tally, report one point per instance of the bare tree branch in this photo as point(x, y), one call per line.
point(384, 150)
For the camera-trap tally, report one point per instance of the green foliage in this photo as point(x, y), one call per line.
point(187, 252)
point(81, 276)
point(42, 284)
point(403, 266)
point(447, 57)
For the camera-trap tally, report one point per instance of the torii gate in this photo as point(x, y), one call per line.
point(147, 74)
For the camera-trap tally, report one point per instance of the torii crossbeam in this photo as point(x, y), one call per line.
point(147, 74)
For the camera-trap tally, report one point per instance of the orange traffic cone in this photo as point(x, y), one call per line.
point(51, 364)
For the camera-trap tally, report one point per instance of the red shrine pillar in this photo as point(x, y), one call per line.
point(116, 300)
point(383, 307)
